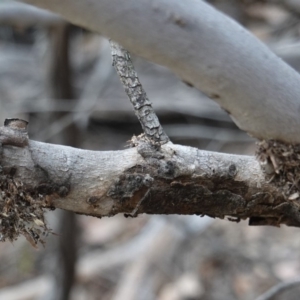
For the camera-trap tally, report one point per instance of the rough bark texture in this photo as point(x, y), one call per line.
point(149, 178)
point(206, 49)
point(137, 95)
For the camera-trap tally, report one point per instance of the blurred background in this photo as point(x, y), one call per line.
point(59, 77)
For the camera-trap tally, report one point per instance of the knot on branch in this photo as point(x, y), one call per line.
point(146, 147)
point(14, 133)
point(281, 164)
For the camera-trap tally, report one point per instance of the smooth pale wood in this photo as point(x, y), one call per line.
point(205, 48)
point(18, 14)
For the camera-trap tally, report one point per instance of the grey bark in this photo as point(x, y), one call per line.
point(204, 48)
point(278, 289)
point(18, 14)
point(170, 179)
point(137, 95)
point(59, 86)
point(60, 73)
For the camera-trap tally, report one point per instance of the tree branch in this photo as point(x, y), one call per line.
point(204, 48)
point(14, 14)
point(137, 95)
point(170, 179)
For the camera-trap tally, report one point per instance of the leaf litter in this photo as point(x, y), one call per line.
point(281, 163)
point(21, 213)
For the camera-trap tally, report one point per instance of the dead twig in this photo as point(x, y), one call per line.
point(137, 95)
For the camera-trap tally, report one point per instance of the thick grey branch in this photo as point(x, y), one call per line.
point(14, 14)
point(137, 95)
point(170, 179)
point(205, 48)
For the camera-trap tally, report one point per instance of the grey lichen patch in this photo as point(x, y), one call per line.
point(154, 155)
point(63, 191)
point(93, 201)
point(127, 184)
point(167, 169)
point(52, 189)
point(232, 171)
point(21, 213)
point(147, 148)
point(281, 163)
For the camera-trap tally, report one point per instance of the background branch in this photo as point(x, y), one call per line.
point(60, 86)
point(204, 48)
point(278, 289)
point(18, 14)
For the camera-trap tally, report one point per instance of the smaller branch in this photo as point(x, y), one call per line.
point(137, 95)
point(278, 289)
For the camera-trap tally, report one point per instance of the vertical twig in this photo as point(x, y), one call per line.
point(59, 77)
point(137, 95)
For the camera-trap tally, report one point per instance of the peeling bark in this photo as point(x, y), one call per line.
point(149, 178)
